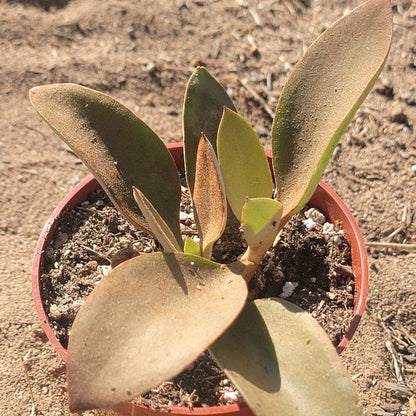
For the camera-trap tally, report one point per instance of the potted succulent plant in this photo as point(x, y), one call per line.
point(183, 302)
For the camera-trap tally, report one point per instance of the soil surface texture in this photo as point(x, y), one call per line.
point(142, 54)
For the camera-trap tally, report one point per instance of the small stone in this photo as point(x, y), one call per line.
point(138, 245)
point(183, 216)
point(92, 265)
point(231, 396)
point(413, 169)
point(316, 215)
point(73, 180)
point(60, 240)
point(150, 68)
point(55, 313)
point(104, 270)
point(328, 228)
point(331, 295)
point(288, 289)
point(384, 86)
point(309, 223)
point(343, 270)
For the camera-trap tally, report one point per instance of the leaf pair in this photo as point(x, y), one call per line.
point(244, 171)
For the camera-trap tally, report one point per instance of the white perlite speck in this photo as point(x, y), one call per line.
point(315, 215)
point(309, 223)
point(288, 289)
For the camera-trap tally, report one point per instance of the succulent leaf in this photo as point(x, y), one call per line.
point(145, 322)
point(156, 223)
point(300, 374)
point(192, 247)
point(260, 221)
point(208, 198)
point(244, 165)
point(246, 348)
point(321, 96)
point(118, 148)
point(204, 100)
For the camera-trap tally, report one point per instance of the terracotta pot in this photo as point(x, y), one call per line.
point(324, 198)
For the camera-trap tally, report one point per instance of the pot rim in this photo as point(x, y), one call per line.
point(324, 198)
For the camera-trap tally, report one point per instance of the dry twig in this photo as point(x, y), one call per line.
point(258, 98)
point(394, 246)
point(396, 364)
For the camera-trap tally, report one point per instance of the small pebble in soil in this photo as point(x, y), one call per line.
point(309, 223)
point(288, 289)
point(315, 215)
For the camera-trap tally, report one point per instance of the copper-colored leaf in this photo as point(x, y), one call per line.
point(208, 198)
point(145, 322)
point(119, 149)
point(283, 363)
point(204, 101)
point(321, 96)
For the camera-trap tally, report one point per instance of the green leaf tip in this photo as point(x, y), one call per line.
point(321, 96)
point(192, 247)
point(244, 165)
point(260, 222)
point(117, 147)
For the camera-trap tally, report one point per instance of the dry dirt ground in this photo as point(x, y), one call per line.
point(142, 52)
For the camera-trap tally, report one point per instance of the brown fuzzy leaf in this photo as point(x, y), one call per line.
point(118, 148)
point(208, 197)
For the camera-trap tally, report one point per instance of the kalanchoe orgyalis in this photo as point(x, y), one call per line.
point(154, 314)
